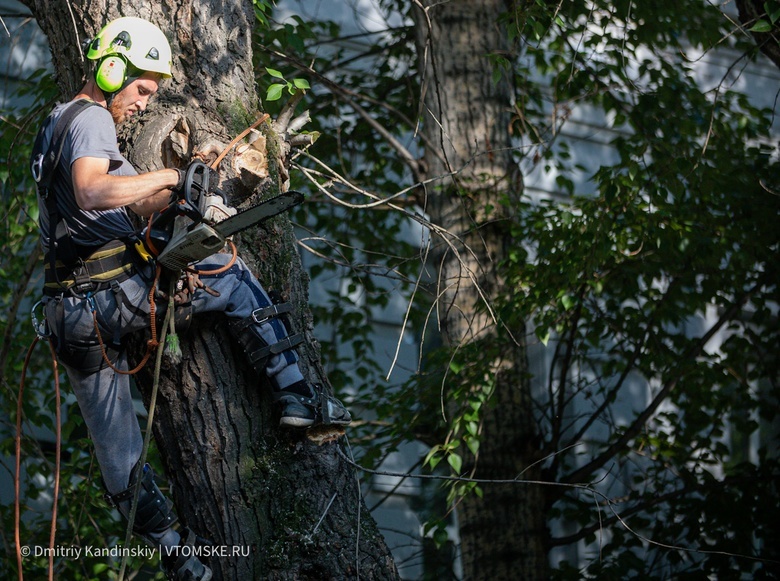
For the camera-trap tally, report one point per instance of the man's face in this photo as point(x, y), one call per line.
point(134, 97)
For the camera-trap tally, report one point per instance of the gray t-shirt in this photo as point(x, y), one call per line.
point(92, 134)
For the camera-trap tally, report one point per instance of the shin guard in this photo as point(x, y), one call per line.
point(257, 349)
point(154, 513)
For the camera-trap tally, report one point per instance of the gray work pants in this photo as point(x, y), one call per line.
point(104, 397)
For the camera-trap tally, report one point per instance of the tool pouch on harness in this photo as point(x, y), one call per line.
point(63, 245)
point(86, 356)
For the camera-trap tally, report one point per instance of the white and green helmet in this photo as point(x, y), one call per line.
point(128, 40)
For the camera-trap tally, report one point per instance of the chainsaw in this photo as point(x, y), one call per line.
point(198, 223)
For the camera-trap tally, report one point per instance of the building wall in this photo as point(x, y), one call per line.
point(23, 49)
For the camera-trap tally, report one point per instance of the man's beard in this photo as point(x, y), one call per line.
point(117, 114)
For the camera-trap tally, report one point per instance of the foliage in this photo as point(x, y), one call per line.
point(275, 90)
point(772, 15)
point(656, 267)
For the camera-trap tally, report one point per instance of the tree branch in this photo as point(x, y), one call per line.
point(411, 161)
point(633, 430)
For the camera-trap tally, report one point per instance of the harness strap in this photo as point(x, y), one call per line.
point(44, 164)
point(44, 167)
point(264, 314)
point(114, 261)
point(261, 355)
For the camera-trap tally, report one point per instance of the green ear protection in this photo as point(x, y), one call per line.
point(111, 73)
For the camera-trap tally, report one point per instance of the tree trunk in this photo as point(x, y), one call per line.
point(468, 116)
point(751, 12)
point(235, 477)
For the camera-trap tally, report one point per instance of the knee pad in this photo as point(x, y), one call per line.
point(155, 512)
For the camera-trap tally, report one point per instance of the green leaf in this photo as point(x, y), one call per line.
point(543, 335)
point(301, 84)
point(275, 91)
point(440, 537)
point(761, 26)
point(567, 301)
point(455, 461)
point(274, 73)
point(432, 458)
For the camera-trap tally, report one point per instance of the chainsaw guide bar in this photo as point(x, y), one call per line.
point(259, 213)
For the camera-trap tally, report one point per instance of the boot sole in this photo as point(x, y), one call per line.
point(291, 422)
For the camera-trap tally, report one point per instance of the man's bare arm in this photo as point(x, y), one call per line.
point(144, 194)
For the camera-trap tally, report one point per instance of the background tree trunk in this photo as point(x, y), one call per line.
point(768, 41)
point(468, 116)
point(236, 478)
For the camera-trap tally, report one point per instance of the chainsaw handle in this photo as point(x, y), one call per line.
point(196, 185)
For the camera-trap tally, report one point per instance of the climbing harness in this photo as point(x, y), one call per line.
point(114, 262)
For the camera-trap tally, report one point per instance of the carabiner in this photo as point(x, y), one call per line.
point(37, 168)
point(91, 301)
point(41, 327)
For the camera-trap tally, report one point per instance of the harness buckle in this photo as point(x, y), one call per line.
point(262, 315)
point(81, 280)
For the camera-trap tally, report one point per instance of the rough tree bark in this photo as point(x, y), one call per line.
point(468, 115)
point(236, 478)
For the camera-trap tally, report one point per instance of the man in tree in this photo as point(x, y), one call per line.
point(99, 289)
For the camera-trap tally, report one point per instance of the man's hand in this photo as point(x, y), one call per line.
point(175, 190)
point(186, 287)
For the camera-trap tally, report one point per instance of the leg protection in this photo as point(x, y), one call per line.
point(154, 513)
point(302, 405)
point(183, 562)
point(257, 349)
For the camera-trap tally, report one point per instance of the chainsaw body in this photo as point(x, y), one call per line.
point(190, 243)
point(197, 223)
